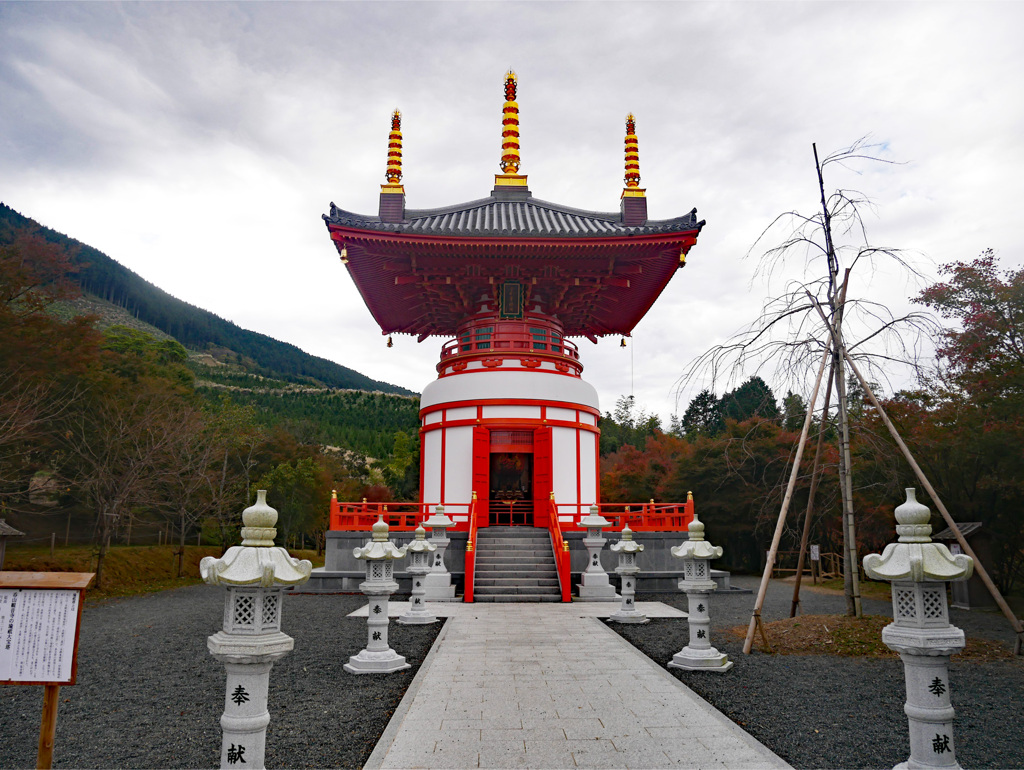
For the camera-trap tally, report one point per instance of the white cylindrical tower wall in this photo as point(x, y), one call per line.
point(496, 388)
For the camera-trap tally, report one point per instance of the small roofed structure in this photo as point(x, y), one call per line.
point(969, 594)
point(6, 531)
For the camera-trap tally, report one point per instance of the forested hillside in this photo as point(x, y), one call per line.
point(355, 420)
point(109, 425)
point(193, 327)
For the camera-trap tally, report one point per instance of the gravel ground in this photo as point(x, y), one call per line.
point(149, 695)
point(819, 711)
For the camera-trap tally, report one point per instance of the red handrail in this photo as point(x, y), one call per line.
point(641, 517)
point(405, 517)
point(467, 591)
point(561, 548)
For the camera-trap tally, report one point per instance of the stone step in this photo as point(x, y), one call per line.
point(513, 542)
point(510, 598)
point(480, 580)
point(514, 558)
point(516, 591)
point(506, 562)
point(511, 570)
point(514, 545)
point(488, 550)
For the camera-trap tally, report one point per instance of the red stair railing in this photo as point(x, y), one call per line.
point(561, 548)
point(467, 591)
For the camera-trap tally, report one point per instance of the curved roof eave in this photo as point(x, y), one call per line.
point(529, 218)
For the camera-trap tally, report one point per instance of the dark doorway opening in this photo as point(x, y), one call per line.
point(511, 489)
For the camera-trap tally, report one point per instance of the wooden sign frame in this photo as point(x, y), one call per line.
point(59, 581)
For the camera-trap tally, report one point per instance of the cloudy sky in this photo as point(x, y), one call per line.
point(199, 143)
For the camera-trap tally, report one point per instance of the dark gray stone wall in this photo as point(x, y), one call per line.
point(659, 569)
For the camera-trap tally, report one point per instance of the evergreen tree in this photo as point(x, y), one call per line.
point(703, 416)
point(751, 399)
point(794, 410)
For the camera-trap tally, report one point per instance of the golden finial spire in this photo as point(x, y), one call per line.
point(394, 170)
point(510, 137)
point(632, 161)
point(510, 128)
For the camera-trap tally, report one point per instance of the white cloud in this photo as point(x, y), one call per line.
point(198, 144)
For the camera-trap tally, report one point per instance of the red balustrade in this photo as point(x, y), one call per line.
point(470, 572)
point(405, 517)
point(561, 548)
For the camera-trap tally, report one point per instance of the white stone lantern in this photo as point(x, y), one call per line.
point(420, 557)
point(920, 632)
point(697, 553)
point(627, 549)
point(438, 582)
point(379, 554)
point(594, 585)
point(255, 575)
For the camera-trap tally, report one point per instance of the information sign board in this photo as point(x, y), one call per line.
point(39, 619)
point(815, 553)
point(40, 613)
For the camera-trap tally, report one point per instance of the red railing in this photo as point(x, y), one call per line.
point(405, 517)
point(641, 517)
point(561, 548)
point(400, 517)
point(489, 338)
point(470, 572)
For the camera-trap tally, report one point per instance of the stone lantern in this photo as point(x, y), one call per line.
point(594, 585)
point(420, 559)
point(697, 553)
point(627, 550)
point(255, 575)
point(920, 632)
point(379, 554)
point(438, 582)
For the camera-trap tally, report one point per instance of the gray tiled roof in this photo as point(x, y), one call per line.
point(967, 528)
point(6, 530)
point(512, 218)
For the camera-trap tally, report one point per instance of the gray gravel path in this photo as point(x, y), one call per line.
point(149, 694)
point(817, 711)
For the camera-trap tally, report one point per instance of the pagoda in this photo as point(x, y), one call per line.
point(509, 429)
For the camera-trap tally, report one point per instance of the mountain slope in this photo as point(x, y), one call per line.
point(192, 326)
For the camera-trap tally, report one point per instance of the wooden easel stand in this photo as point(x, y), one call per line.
point(48, 727)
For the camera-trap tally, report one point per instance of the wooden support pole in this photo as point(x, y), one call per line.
point(755, 617)
point(978, 566)
point(810, 497)
point(48, 726)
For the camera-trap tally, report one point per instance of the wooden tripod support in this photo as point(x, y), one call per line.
point(755, 618)
point(978, 567)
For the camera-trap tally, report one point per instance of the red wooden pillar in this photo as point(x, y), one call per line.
point(482, 474)
point(542, 481)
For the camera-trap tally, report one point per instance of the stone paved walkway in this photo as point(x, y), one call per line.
point(542, 686)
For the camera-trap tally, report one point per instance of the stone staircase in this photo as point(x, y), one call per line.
point(515, 564)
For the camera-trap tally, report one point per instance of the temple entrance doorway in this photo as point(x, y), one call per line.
point(511, 489)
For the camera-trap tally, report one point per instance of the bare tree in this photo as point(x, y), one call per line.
point(194, 444)
point(29, 408)
point(790, 336)
point(114, 446)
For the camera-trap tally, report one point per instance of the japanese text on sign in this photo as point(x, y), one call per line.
point(37, 634)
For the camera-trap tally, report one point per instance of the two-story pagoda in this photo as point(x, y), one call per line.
point(509, 427)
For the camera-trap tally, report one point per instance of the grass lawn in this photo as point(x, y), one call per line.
point(128, 570)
